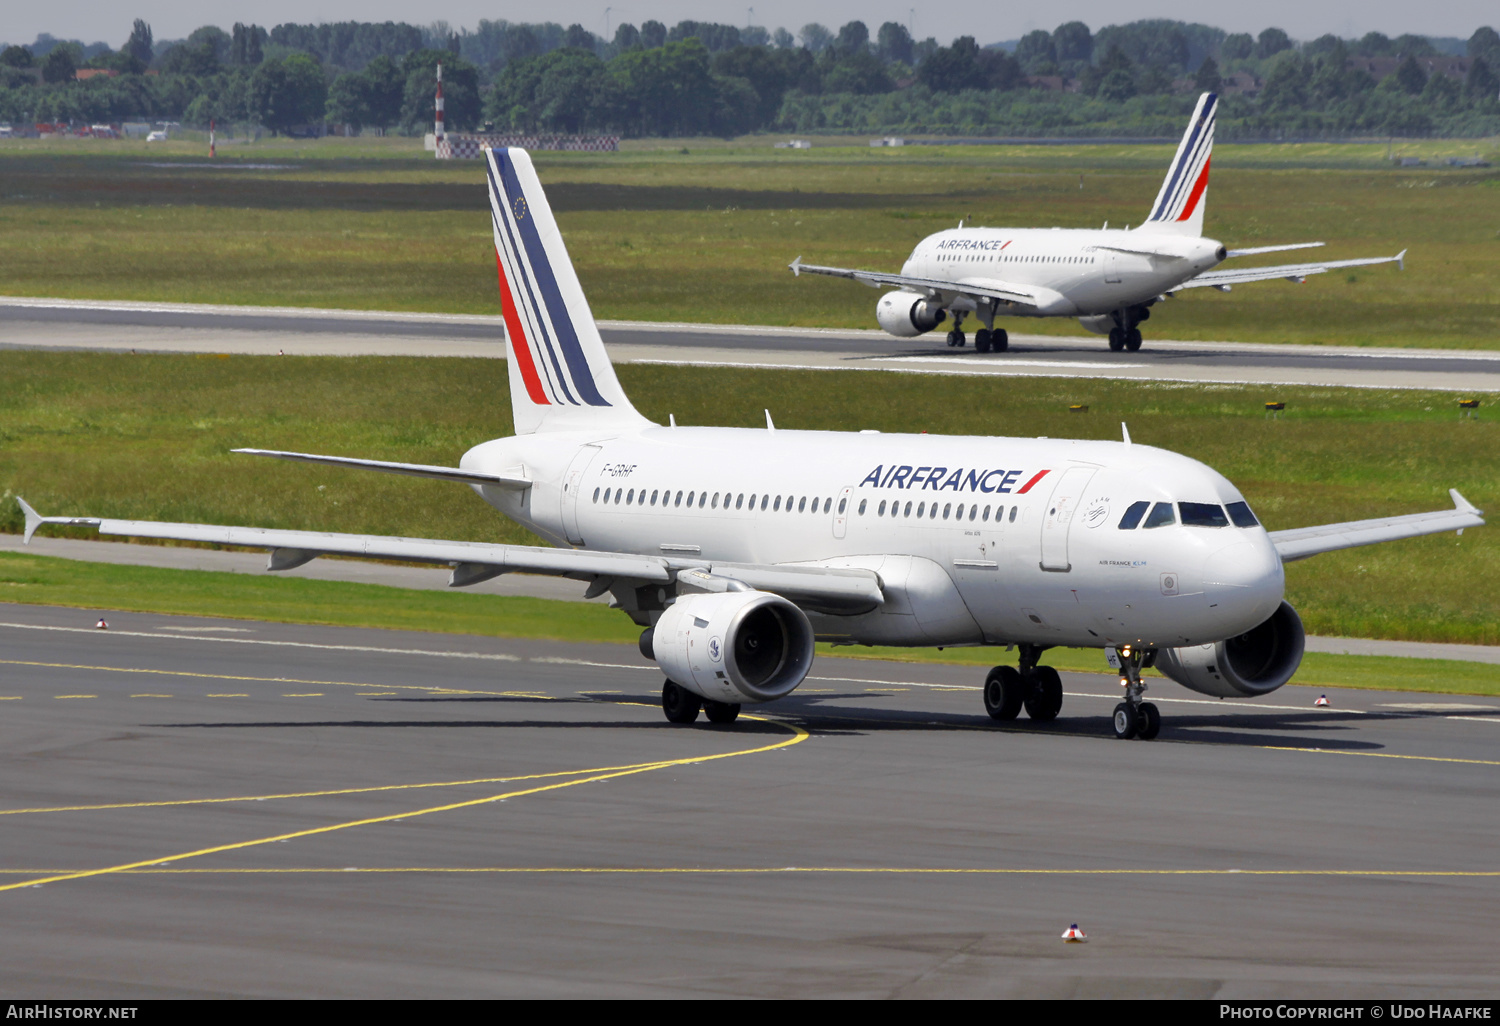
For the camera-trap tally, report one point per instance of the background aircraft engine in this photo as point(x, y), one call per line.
point(907, 314)
point(1255, 663)
point(736, 646)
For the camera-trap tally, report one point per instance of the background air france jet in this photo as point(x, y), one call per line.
point(735, 549)
point(1108, 279)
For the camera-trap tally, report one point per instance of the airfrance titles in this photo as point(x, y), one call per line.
point(944, 479)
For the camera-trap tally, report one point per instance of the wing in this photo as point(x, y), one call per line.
point(1253, 250)
point(989, 289)
point(821, 589)
point(515, 482)
point(1301, 542)
point(1291, 272)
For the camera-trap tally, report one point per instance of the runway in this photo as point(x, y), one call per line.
point(184, 328)
point(202, 808)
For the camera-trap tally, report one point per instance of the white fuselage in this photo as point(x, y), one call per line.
point(975, 540)
point(1074, 271)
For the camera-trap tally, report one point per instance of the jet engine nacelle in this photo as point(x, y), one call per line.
point(907, 314)
point(734, 646)
point(1255, 663)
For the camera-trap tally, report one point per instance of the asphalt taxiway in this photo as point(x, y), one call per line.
point(200, 807)
point(186, 328)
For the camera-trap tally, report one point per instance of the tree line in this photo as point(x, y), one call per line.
point(706, 78)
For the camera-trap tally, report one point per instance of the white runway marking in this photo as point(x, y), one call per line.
point(499, 657)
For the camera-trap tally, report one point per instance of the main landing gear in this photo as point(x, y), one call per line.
point(986, 340)
point(1126, 334)
point(1037, 689)
point(682, 706)
point(956, 335)
point(1133, 717)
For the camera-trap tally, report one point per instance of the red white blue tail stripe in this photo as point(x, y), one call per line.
point(1181, 195)
point(551, 331)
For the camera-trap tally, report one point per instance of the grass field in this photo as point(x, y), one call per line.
point(659, 234)
point(149, 437)
point(96, 586)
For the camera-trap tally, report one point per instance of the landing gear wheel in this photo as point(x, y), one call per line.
point(1045, 700)
point(1149, 720)
point(1133, 340)
point(721, 712)
point(1127, 722)
point(956, 338)
point(1004, 693)
point(999, 340)
point(680, 704)
point(1116, 339)
point(981, 341)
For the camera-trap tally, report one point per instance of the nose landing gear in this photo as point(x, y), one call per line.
point(1037, 689)
point(1134, 717)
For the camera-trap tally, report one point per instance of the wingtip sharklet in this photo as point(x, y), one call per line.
point(1462, 504)
point(796, 266)
point(33, 520)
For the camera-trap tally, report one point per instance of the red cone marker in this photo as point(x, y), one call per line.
point(101, 625)
point(1322, 700)
point(1073, 935)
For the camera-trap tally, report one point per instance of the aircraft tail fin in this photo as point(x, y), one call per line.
point(560, 375)
point(1184, 193)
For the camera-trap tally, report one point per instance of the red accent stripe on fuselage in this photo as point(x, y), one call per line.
point(519, 346)
point(1197, 194)
point(1027, 486)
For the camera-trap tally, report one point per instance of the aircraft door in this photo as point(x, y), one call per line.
point(572, 485)
point(1111, 266)
point(841, 511)
point(1058, 517)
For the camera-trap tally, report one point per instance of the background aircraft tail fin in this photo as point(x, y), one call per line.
point(560, 376)
point(1184, 193)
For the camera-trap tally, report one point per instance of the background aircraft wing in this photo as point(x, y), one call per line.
point(821, 589)
point(1292, 272)
point(1301, 542)
point(988, 289)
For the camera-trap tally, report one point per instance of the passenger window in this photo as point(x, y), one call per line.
point(1239, 512)
point(802, 506)
point(908, 509)
point(703, 499)
point(739, 501)
point(843, 505)
point(880, 512)
point(763, 500)
point(606, 496)
point(596, 495)
point(1161, 515)
point(778, 504)
point(1203, 514)
point(974, 512)
point(690, 499)
point(1012, 514)
point(921, 510)
point(862, 504)
point(654, 494)
point(932, 513)
point(1132, 518)
point(716, 501)
point(677, 501)
point(630, 498)
point(828, 505)
point(987, 515)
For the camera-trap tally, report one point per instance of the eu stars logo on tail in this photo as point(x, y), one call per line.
point(560, 374)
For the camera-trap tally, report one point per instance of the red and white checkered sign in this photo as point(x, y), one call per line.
point(469, 146)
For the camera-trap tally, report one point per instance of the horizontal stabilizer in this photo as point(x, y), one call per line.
point(1255, 250)
point(1301, 542)
point(516, 483)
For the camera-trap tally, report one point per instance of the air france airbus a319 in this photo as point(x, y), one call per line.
point(1109, 279)
point(736, 548)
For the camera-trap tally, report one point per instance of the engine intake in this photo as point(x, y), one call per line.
point(734, 646)
point(1255, 663)
point(908, 314)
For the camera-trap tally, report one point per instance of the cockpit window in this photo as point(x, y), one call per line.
point(1203, 514)
point(1240, 513)
point(1132, 518)
point(1162, 515)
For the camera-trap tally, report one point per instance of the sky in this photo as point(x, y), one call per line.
point(110, 20)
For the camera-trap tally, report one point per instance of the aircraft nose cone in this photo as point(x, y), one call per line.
point(1245, 578)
